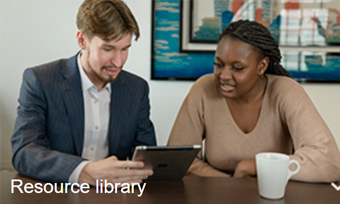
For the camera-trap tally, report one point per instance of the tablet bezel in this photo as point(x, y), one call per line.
point(166, 160)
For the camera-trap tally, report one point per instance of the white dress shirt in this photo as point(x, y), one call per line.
point(97, 117)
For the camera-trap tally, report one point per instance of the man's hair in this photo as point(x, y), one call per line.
point(107, 19)
point(259, 37)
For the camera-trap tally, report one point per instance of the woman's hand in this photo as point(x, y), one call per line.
point(246, 168)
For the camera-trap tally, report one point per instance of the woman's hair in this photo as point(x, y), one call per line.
point(108, 19)
point(259, 37)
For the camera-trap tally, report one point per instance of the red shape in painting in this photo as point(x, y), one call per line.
point(292, 5)
point(236, 5)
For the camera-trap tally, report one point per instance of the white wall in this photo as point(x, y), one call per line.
point(38, 31)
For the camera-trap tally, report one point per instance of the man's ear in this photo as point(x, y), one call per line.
point(263, 65)
point(82, 39)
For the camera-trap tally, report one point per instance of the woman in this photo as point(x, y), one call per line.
point(249, 105)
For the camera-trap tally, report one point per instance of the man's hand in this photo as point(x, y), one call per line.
point(246, 168)
point(114, 171)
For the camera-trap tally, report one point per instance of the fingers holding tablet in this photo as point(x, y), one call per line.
point(114, 171)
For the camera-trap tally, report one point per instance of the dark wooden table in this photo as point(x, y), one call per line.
point(191, 189)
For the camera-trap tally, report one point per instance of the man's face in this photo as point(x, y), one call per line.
point(102, 60)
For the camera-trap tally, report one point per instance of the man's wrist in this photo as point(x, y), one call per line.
point(85, 176)
point(74, 177)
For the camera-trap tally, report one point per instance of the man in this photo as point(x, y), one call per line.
point(79, 117)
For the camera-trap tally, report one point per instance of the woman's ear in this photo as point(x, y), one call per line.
point(263, 65)
point(81, 39)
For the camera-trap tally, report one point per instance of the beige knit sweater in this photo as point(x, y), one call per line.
point(287, 115)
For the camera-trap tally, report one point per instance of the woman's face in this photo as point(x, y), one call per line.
point(237, 68)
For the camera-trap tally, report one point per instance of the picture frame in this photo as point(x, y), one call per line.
point(187, 22)
point(176, 56)
point(169, 61)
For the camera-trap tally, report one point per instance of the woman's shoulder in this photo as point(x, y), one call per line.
point(283, 84)
point(205, 86)
point(205, 82)
point(285, 90)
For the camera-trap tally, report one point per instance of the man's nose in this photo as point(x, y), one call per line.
point(117, 59)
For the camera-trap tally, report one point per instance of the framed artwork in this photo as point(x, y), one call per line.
point(168, 62)
point(296, 23)
point(306, 66)
point(185, 34)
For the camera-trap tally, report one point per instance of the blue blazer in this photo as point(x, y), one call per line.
point(48, 136)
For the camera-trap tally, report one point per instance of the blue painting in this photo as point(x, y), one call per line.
point(320, 67)
point(168, 63)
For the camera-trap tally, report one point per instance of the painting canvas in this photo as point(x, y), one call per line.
point(312, 66)
point(178, 55)
point(292, 23)
point(168, 62)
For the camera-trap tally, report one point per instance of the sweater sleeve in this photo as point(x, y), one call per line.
point(315, 147)
point(189, 130)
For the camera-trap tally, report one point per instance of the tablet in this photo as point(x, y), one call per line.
point(167, 162)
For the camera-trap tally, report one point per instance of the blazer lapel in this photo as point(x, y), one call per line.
point(72, 93)
point(117, 107)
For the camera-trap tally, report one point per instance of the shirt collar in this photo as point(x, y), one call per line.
point(86, 82)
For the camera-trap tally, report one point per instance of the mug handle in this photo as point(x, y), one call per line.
point(291, 173)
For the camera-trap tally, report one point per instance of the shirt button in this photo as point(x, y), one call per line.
point(92, 148)
point(95, 101)
point(96, 127)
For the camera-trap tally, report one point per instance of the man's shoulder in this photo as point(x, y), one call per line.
point(53, 67)
point(131, 84)
point(50, 66)
point(130, 78)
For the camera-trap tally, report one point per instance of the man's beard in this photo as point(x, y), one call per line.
point(111, 79)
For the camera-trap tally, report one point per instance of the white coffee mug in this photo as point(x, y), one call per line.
point(273, 173)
